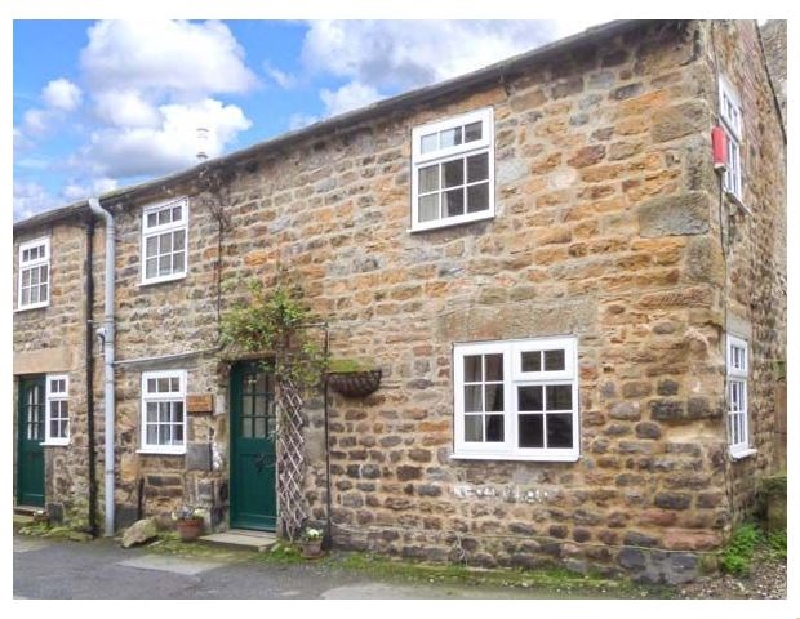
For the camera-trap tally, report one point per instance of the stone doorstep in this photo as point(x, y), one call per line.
point(22, 521)
point(23, 510)
point(241, 539)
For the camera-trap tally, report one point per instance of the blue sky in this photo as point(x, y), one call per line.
point(104, 104)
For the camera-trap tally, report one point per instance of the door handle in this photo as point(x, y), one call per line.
point(260, 461)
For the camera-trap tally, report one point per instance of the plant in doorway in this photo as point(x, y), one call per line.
point(189, 521)
point(311, 543)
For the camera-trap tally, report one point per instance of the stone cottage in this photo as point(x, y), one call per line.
point(577, 315)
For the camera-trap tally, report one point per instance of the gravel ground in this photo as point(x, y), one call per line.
point(767, 581)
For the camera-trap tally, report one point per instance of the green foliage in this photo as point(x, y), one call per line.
point(777, 543)
point(275, 323)
point(348, 365)
point(739, 550)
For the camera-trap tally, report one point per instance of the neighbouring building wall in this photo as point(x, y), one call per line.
point(51, 340)
point(773, 35)
point(605, 229)
point(755, 292)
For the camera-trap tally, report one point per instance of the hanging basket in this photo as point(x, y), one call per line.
point(358, 384)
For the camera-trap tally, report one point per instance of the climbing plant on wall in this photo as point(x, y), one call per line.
point(277, 323)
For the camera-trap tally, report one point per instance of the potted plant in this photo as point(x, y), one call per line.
point(190, 522)
point(353, 379)
point(311, 543)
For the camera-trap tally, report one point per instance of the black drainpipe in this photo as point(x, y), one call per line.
point(89, 300)
point(328, 535)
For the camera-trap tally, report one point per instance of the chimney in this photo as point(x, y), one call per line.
point(202, 141)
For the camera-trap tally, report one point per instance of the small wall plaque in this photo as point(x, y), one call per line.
point(200, 403)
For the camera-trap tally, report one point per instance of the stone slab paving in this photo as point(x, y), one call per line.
point(27, 545)
point(257, 540)
point(175, 565)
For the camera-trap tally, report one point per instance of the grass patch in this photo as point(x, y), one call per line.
point(776, 542)
point(738, 552)
point(42, 529)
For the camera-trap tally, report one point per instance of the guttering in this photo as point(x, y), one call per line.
point(108, 357)
point(89, 354)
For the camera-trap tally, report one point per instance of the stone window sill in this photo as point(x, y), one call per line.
point(441, 224)
point(147, 451)
point(742, 453)
point(51, 443)
point(522, 457)
point(732, 197)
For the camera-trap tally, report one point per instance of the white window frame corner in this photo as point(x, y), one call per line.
point(741, 449)
point(144, 447)
point(418, 160)
point(27, 245)
point(50, 396)
point(726, 89)
point(146, 232)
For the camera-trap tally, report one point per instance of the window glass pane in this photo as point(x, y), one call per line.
point(178, 240)
point(429, 207)
point(261, 382)
point(151, 385)
point(260, 405)
point(531, 432)
point(177, 435)
point(429, 143)
point(553, 360)
point(559, 397)
point(151, 246)
point(163, 412)
point(163, 385)
point(472, 369)
point(494, 398)
point(478, 168)
point(26, 296)
point(164, 264)
point(478, 198)
point(559, 430)
point(178, 265)
point(529, 398)
point(734, 430)
point(494, 428)
point(260, 428)
point(64, 429)
point(532, 361)
point(25, 255)
point(494, 367)
point(152, 434)
point(450, 137)
point(429, 178)
point(247, 427)
point(163, 216)
point(248, 407)
point(26, 277)
point(43, 274)
point(175, 384)
point(53, 386)
point(177, 213)
point(54, 428)
point(164, 434)
point(165, 243)
point(43, 293)
point(53, 410)
point(34, 277)
point(34, 292)
point(177, 412)
point(473, 398)
point(151, 268)
point(454, 203)
point(473, 131)
point(453, 172)
point(151, 219)
point(473, 428)
point(152, 412)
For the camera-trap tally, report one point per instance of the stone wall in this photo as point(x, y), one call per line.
point(773, 35)
point(755, 292)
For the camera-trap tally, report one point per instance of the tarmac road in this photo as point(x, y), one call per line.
point(100, 569)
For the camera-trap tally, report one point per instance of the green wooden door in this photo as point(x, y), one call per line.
point(253, 479)
point(30, 453)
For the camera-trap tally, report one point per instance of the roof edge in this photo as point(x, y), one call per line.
point(53, 216)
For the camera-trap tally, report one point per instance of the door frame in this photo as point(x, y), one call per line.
point(22, 421)
point(236, 372)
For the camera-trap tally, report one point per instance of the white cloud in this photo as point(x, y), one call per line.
point(298, 120)
point(172, 145)
point(62, 94)
point(36, 121)
point(165, 56)
point(402, 54)
point(349, 97)
point(74, 191)
point(125, 108)
point(31, 198)
point(281, 78)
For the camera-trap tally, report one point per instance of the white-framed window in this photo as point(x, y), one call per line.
point(57, 416)
point(730, 114)
point(737, 370)
point(164, 232)
point(516, 400)
point(164, 412)
point(33, 289)
point(453, 171)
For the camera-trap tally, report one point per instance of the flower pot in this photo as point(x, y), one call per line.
point(311, 549)
point(190, 529)
point(356, 384)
